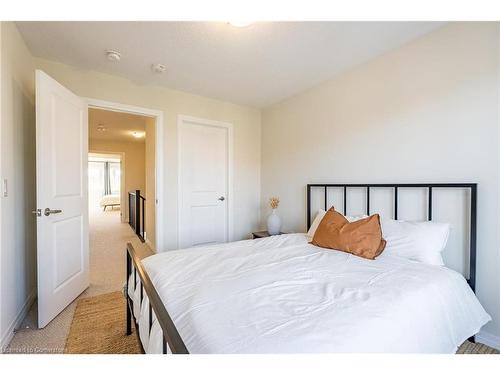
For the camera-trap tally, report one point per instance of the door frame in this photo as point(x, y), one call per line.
point(181, 120)
point(160, 207)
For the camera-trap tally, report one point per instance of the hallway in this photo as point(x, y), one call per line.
point(108, 239)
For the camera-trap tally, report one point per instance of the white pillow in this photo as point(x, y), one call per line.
point(422, 241)
point(319, 216)
point(355, 218)
point(315, 223)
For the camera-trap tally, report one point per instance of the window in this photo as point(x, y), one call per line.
point(104, 179)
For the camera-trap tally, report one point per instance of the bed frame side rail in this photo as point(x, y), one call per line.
point(170, 334)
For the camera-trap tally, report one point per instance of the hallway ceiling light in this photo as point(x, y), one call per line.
point(113, 55)
point(138, 134)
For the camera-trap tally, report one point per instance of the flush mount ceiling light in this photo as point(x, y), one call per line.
point(158, 68)
point(240, 23)
point(113, 55)
point(101, 128)
point(138, 134)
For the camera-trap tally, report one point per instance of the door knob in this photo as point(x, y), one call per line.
point(222, 198)
point(48, 212)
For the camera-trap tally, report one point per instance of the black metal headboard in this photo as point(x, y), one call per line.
point(473, 209)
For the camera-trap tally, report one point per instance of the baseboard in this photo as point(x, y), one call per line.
point(9, 334)
point(488, 339)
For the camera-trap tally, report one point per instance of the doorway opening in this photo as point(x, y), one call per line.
point(121, 167)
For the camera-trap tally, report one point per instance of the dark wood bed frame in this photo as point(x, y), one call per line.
point(171, 335)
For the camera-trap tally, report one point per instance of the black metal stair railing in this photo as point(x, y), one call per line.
point(137, 213)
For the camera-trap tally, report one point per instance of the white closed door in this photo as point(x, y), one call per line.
point(204, 162)
point(62, 218)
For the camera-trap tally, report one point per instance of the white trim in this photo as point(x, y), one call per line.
point(9, 334)
point(488, 339)
point(2, 304)
point(181, 119)
point(160, 211)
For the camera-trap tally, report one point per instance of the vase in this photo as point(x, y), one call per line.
point(273, 223)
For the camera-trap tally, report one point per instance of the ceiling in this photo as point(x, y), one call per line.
point(257, 65)
point(118, 126)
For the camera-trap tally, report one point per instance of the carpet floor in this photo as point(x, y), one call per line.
point(107, 244)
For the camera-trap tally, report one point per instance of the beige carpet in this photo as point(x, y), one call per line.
point(98, 327)
point(108, 239)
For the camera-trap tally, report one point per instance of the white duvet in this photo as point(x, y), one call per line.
point(282, 295)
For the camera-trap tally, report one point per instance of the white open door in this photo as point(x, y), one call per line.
point(62, 217)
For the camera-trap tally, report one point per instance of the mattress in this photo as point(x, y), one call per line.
point(110, 200)
point(281, 294)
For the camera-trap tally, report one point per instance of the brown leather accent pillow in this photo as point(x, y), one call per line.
point(362, 237)
point(381, 247)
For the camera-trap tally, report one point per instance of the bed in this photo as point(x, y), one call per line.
point(281, 294)
point(110, 200)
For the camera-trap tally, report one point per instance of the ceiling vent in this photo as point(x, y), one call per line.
point(158, 68)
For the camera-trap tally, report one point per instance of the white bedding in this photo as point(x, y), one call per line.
point(282, 295)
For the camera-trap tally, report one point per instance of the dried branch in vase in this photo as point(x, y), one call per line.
point(274, 202)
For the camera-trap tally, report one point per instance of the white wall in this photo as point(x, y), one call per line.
point(247, 137)
point(18, 230)
point(426, 112)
